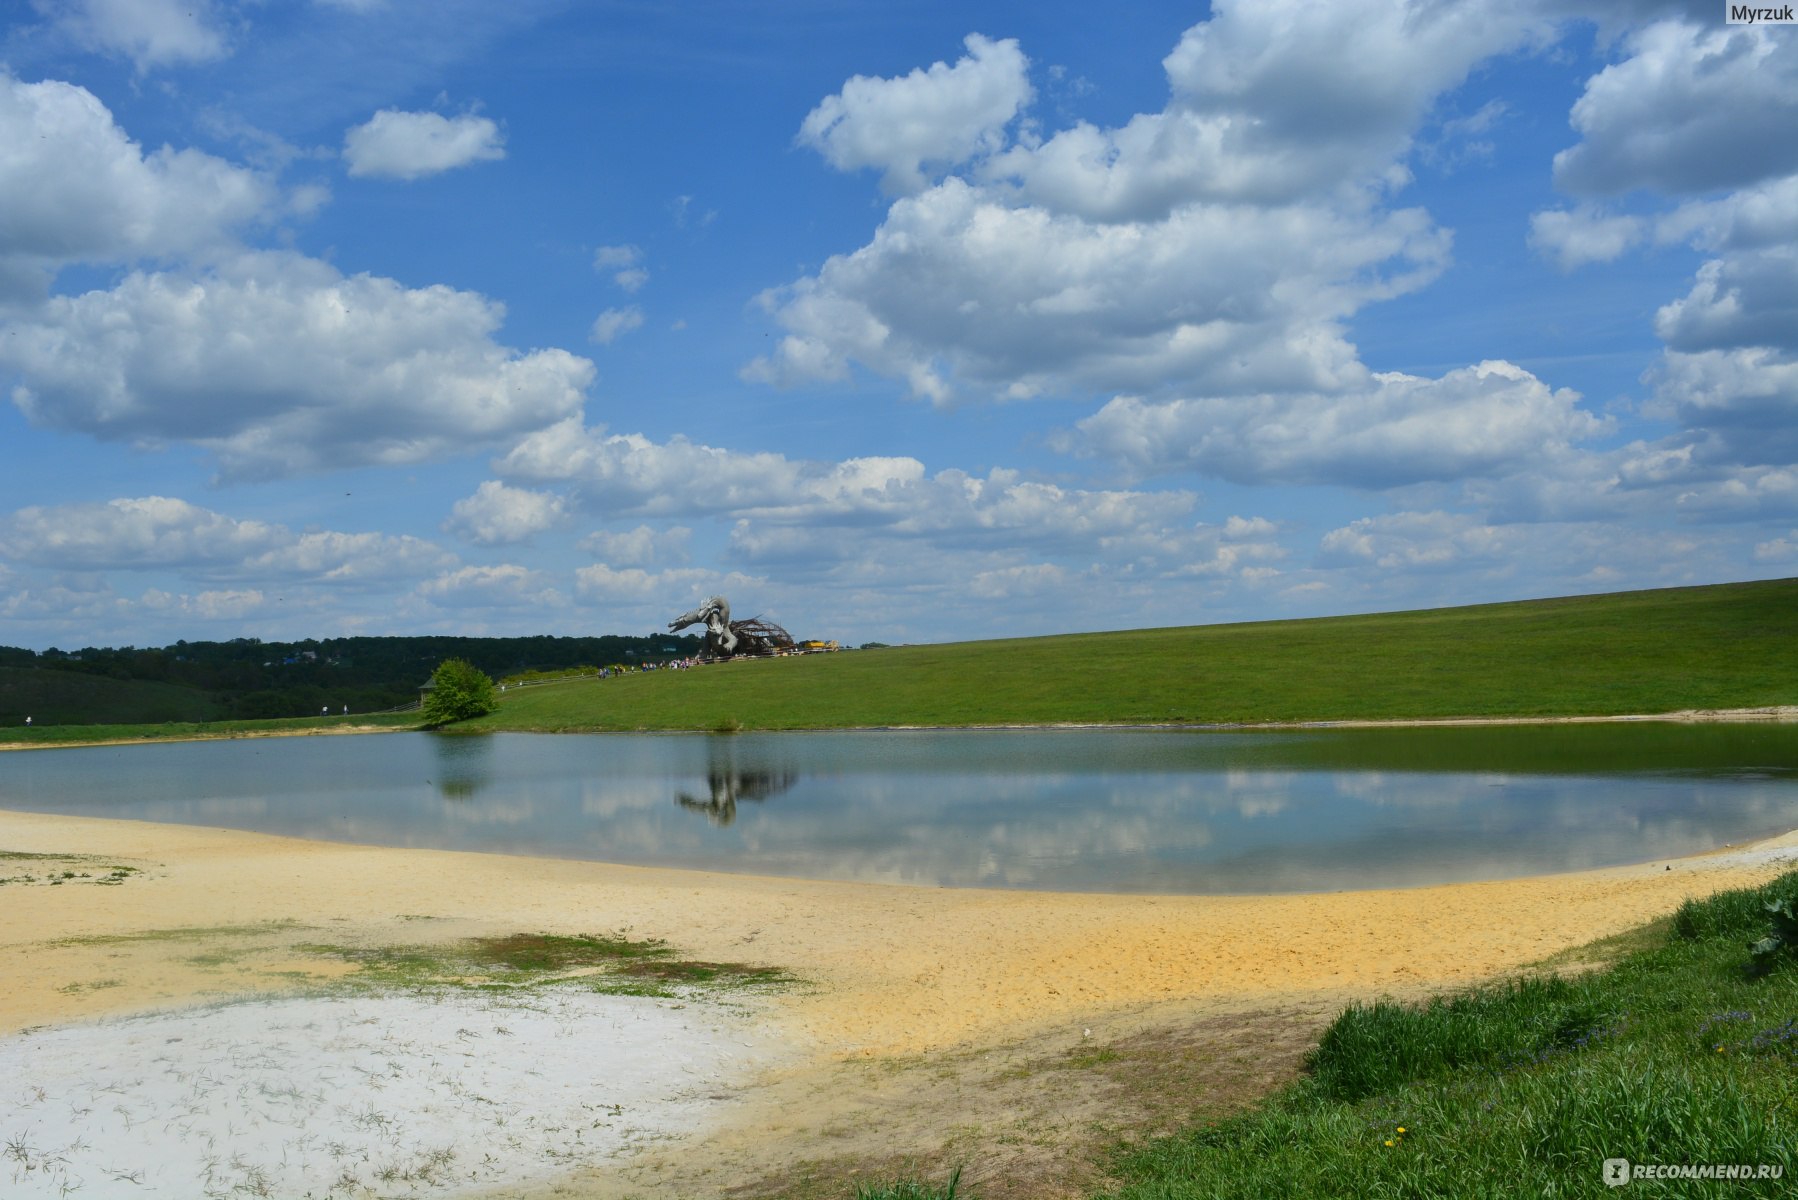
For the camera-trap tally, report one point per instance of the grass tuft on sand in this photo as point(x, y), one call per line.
point(612, 964)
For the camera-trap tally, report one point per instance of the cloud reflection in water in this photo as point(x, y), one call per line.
point(1140, 811)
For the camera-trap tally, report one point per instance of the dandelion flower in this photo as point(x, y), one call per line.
point(1401, 1128)
point(1389, 1141)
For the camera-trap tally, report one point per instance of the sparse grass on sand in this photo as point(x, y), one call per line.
point(178, 731)
point(54, 870)
point(610, 964)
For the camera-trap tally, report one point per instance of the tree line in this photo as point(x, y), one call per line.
point(247, 678)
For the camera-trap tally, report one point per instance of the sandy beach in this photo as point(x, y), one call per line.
point(900, 982)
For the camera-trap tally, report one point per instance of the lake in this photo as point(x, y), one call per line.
point(1178, 811)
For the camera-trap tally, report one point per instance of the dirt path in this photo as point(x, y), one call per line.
point(1000, 1029)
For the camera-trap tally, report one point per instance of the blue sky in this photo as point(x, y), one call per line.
point(889, 322)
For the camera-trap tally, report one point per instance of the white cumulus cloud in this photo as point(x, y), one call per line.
point(75, 188)
point(614, 323)
point(1752, 218)
point(641, 546)
point(213, 605)
point(150, 33)
point(602, 583)
point(796, 518)
point(411, 145)
point(1006, 583)
point(1435, 541)
point(1779, 549)
point(498, 515)
point(1737, 301)
point(624, 255)
point(1270, 101)
point(1218, 245)
point(1740, 404)
point(1396, 429)
point(1577, 237)
point(931, 118)
point(147, 531)
point(1691, 109)
point(628, 472)
point(958, 285)
point(281, 365)
point(157, 532)
point(896, 496)
point(349, 558)
point(506, 586)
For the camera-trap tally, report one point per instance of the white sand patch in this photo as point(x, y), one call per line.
point(371, 1096)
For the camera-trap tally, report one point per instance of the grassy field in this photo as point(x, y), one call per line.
point(1678, 1052)
point(1727, 646)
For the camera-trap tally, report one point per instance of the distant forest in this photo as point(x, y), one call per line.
point(249, 679)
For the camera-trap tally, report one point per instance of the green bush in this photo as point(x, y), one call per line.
point(459, 690)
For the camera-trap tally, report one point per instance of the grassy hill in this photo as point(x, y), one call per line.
point(1724, 646)
point(66, 697)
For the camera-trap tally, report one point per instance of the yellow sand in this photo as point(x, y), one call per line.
point(897, 970)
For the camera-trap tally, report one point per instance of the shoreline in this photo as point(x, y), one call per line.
point(1125, 948)
point(1771, 714)
point(224, 736)
point(903, 987)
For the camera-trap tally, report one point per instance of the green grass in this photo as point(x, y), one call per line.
point(1676, 1053)
point(1724, 646)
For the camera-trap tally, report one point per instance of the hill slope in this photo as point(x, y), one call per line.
point(1724, 646)
point(66, 697)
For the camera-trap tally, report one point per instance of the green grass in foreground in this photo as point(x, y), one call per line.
point(1726, 646)
point(1674, 1054)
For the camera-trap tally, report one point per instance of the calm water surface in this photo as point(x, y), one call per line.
point(1106, 810)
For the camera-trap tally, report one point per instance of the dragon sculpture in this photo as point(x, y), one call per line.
point(725, 638)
